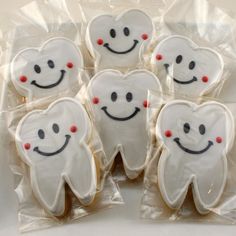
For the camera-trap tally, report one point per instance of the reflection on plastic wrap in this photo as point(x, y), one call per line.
point(41, 63)
point(192, 167)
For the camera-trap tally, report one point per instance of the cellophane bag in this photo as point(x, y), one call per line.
point(118, 36)
point(43, 43)
point(190, 175)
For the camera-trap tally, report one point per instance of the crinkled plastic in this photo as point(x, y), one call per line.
point(190, 175)
point(118, 36)
point(134, 28)
point(118, 105)
point(194, 26)
point(195, 37)
point(43, 50)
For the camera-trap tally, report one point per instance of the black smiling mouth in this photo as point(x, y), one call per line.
point(186, 82)
point(48, 154)
point(179, 81)
point(121, 118)
point(50, 85)
point(106, 45)
point(210, 143)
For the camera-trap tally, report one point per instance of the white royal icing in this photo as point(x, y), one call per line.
point(196, 141)
point(53, 143)
point(119, 104)
point(185, 67)
point(119, 41)
point(48, 70)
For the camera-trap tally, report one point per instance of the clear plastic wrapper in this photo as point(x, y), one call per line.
point(208, 59)
point(193, 54)
point(118, 105)
point(88, 27)
point(33, 69)
point(190, 175)
point(42, 71)
point(117, 34)
point(30, 190)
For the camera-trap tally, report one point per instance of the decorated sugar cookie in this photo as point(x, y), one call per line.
point(119, 41)
point(185, 67)
point(196, 141)
point(119, 103)
point(54, 144)
point(46, 71)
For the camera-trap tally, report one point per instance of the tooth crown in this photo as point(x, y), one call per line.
point(119, 41)
point(48, 70)
point(185, 67)
point(54, 144)
point(119, 106)
point(196, 140)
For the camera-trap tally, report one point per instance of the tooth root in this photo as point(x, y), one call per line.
point(209, 185)
point(134, 156)
point(109, 145)
point(49, 187)
point(81, 175)
point(173, 179)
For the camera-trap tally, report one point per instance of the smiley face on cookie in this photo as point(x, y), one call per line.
point(196, 140)
point(53, 68)
point(119, 41)
point(188, 69)
point(54, 145)
point(119, 105)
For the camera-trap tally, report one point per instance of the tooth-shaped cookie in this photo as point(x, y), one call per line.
point(119, 104)
point(46, 71)
point(185, 67)
point(196, 140)
point(54, 144)
point(119, 41)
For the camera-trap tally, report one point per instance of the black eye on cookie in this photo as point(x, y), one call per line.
point(113, 96)
point(51, 64)
point(202, 129)
point(55, 128)
point(41, 134)
point(186, 128)
point(112, 33)
point(179, 59)
point(37, 69)
point(126, 31)
point(129, 97)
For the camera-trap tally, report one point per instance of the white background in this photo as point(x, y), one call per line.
point(121, 220)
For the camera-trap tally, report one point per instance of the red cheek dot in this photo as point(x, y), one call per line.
point(23, 79)
point(95, 100)
point(100, 42)
point(27, 146)
point(159, 57)
point(219, 140)
point(70, 65)
point(205, 79)
point(144, 36)
point(168, 133)
point(146, 104)
point(73, 128)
